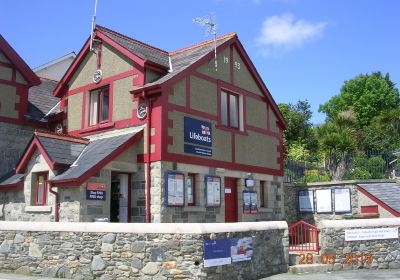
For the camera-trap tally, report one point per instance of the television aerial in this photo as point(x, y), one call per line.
point(210, 22)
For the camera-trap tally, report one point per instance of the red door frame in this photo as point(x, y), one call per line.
point(231, 203)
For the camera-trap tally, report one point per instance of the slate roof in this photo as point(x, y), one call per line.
point(13, 179)
point(388, 193)
point(41, 100)
point(61, 151)
point(93, 153)
point(139, 49)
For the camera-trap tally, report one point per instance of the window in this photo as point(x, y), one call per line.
point(190, 190)
point(230, 110)
point(41, 189)
point(263, 194)
point(99, 106)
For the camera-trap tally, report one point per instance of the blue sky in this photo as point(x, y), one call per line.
point(303, 49)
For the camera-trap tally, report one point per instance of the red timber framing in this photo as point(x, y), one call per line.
point(17, 64)
point(379, 202)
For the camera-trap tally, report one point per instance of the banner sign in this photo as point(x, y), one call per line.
point(371, 234)
point(174, 189)
point(226, 251)
point(95, 191)
point(306, 201)
point(196, 150)
point(197, 132)
point(217, 252)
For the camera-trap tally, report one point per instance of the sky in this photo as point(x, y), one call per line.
point(303, 49)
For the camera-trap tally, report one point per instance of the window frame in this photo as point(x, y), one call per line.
point(263, 185)
point(44, 197)
point(99, 116)
point(229, 95)
point(193, 178)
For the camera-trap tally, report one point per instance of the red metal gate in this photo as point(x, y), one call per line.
point(303, 237)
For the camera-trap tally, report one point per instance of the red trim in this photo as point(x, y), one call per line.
point(99, 52)
point(370, 209)
point(35, 144)
point(44, 198)
point(378, 201)
point(101, 164)
point(264, 131)
point(61, 137)
point(233, 144)
point(19, 63)
point(174, 107)
point(232, 76)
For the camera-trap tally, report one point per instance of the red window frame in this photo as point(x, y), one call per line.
point(99, 117)
point(370, 209)
point(44, 197)
point(193, 178)
point(230, 95)
point(262, 194)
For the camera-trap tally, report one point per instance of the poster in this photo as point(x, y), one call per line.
point(217, 252)
point(213, 190)
point(306, 201)
point(175, 189)
point(95, 191)
point(371, 234)
point(241, 249)
point(249, 202)
point(324, 201)
point(342, 201)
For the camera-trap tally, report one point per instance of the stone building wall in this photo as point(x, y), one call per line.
point(349, 254)
point(13, 140)
point(151, 251)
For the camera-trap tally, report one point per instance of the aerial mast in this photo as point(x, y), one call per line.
point(211, 30)
point(93, 25)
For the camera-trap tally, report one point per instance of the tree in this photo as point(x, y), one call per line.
point(366, 95)
point(299, 131)
point(337, 141)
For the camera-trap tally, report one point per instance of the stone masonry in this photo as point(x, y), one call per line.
point(127, 251)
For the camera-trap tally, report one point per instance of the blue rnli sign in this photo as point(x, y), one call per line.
point(197, 132)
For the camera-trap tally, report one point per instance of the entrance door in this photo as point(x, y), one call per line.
point(231, 208)
point(119, 198)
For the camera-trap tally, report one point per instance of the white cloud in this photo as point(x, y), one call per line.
point(284, 33)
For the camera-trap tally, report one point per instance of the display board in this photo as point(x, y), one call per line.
point(226, 251)
point(342, 200)
point(323, 201)
point(371, 234)
point(306, 201)
point(213, 190)
point(249, 202)
point(241, 249)
point(95, 191)
point(174, 189)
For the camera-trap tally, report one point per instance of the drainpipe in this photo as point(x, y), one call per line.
point(148, 173)
point(57, 206)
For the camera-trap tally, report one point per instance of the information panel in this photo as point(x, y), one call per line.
point(217, 252)
point(174, 189)
point(95, 191)
point(324, 201)
point(241, 249)
point(371, 234)
point(249, 202)
point(213, 190)
point(306, 201)
point(342, 200)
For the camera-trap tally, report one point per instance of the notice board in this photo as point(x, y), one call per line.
point(306, 201)
point(342, 200)
point(323, 201)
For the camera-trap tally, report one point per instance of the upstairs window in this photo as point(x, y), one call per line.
point(99, 106)
point(41, 189)
point(230, 110)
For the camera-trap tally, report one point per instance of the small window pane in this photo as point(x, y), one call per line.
point(104, 105)
point(40, 190)
point(233, 111)
point(94, 99)
point(189, 190)
point(224, 108)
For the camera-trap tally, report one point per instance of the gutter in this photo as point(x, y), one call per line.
point(148, 165)
point(57, 206)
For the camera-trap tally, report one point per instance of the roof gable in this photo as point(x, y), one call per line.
point(18, 62)
point(384, 194)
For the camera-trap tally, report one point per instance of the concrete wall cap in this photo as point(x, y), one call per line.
point(362, 223)
point(189, 228)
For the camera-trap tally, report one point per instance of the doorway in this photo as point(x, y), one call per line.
point(120, 198)
point(231, 208)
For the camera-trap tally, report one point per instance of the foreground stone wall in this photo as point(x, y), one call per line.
point(354, 254)
point(126, 251)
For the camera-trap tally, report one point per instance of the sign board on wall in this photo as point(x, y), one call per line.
point(306, 201)
point(95, 191)
point(226, 251)
point(197, 132)
point(371, 234)
point(324, 201)
point(174, 189)
point(342, 200)
point(213, 190)
point(249, 202)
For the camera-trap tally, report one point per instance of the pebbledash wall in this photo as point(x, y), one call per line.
point(385, 252)
point(128, 251)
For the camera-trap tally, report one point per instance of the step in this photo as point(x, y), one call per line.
point(310, 268)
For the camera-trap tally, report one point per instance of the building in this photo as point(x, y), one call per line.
point(55, 69)
point(155, 136)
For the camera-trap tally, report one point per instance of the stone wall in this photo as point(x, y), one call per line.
point(13, 141)
point(128, 251)
point(349, 254)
